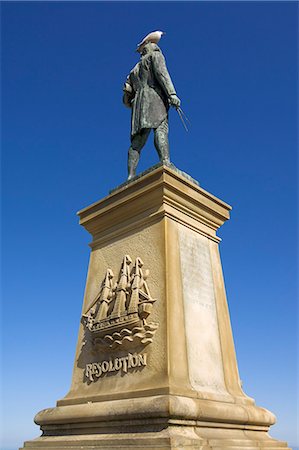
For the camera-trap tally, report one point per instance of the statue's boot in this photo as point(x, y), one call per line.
point(133, 158)
point(137, 143)
point(161, 142)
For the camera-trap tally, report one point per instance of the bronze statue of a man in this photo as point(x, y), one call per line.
point(149, 92)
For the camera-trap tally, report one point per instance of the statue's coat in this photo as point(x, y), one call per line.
point(151, 87)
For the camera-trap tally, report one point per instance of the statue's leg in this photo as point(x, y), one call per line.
point(137, 143)
point(161, 141)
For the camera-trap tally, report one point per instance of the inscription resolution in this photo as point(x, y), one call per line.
point(131, 361)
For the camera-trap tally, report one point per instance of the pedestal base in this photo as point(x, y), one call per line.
point(173, 437)
point(157, 422)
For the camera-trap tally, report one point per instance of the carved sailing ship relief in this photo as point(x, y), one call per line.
point(117, 318)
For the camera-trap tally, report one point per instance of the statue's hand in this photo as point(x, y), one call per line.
point(174, 101)
point(127, 88)
point(128, 95)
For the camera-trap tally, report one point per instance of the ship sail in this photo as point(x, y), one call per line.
point(136, 285)
point(122, 289)
point(106, 296)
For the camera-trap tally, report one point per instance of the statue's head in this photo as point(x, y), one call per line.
point(149, 48)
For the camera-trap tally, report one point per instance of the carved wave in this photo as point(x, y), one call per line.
point(126, 338)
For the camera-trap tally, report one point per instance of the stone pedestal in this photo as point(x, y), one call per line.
point(155, 365)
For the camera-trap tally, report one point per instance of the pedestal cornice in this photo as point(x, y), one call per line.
point(160, 193)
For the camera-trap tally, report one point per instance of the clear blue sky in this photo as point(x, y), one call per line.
point(65, 138)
